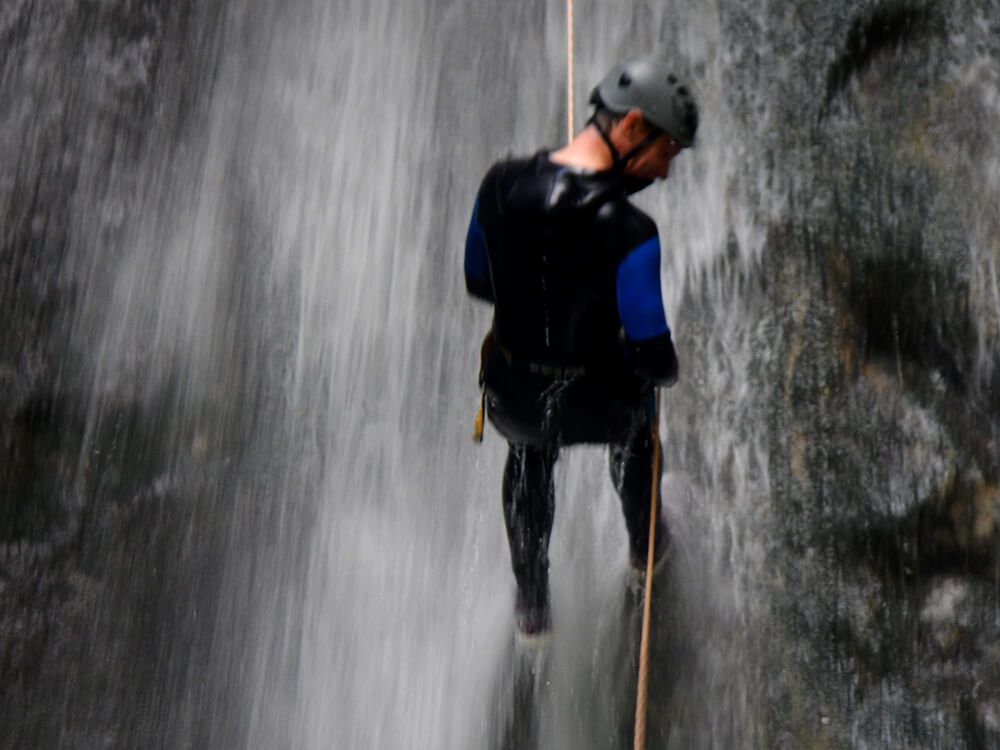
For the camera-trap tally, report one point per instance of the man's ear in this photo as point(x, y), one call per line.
point(633, 124)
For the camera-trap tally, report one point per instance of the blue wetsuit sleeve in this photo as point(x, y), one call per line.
point(477, 260)
point(649, 346)
point(640, 301)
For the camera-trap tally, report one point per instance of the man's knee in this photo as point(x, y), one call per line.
point(630, 460)
point(532, 463)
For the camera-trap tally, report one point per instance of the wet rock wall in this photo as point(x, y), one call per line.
point(100, 576)
point(880, 285)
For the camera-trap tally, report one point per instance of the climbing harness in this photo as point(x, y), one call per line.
point(484, 351)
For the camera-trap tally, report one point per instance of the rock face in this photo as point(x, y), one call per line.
point(884, 461)
point(89, 487)
point(866, 537)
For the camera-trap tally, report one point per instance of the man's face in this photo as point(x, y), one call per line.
point(653, 162)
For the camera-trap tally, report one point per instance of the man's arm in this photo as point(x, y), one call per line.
point(649, 345)
point(477, 259)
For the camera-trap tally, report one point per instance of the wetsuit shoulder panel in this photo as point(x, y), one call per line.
point(640, 302)
point(477, 262)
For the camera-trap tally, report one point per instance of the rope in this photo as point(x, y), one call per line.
point(643, 683)
point(569, 70)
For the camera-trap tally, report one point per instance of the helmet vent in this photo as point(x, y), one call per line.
point(625, 80)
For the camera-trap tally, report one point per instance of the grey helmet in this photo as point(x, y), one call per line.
point(647, 84)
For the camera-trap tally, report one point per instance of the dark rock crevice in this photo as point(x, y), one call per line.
point(890, 26)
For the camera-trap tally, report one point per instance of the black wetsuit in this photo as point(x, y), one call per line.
point(580, 336)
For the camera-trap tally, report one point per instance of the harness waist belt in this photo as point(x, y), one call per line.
point(558, 372)
point(553, 371)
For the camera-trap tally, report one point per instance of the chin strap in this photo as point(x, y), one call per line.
point(618, 162)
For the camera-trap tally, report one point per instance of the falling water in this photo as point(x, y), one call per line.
point(275, 361)
point(403, 626)
point(298, 269)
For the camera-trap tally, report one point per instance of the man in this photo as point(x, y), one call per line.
point(579, 336)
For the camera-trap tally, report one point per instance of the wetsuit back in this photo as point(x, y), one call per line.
point(572, 268)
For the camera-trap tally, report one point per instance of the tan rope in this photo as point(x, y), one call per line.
point(569, 70)
point(643, 683)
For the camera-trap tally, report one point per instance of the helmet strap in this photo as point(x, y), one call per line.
point(618, 161)
point(651, 136)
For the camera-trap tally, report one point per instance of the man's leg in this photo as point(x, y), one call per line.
point(528, 509)
point(631, 467)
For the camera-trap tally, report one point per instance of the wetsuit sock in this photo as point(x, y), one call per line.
point(631, 468)
point(529, 509)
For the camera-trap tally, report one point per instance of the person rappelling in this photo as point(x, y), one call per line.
point(579, 339)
